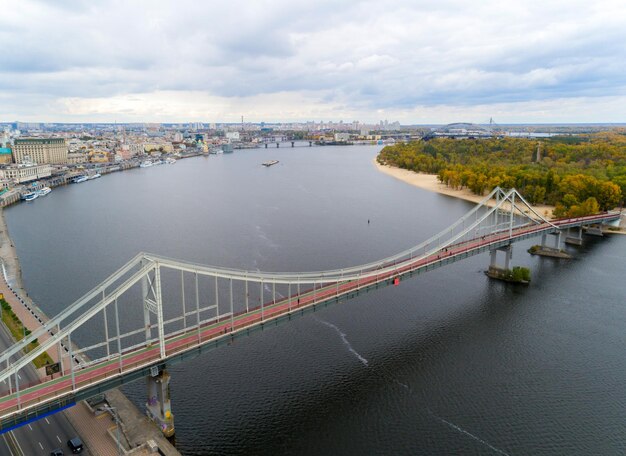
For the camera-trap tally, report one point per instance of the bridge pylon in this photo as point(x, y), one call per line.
point(159, 407)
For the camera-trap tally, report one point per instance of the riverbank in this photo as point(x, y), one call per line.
point(431, 183)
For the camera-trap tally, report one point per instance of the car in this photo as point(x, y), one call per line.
point(75, 444)
point(57, 452)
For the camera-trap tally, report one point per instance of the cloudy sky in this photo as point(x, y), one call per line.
point(414, 61)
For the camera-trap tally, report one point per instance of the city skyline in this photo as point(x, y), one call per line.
point(414, 62)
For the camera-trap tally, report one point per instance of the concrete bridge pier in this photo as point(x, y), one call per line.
point(545, 250)
point(506, 273)
point(508, 255)
point(594, 230)
point(310, 143)
point(266, 145)
point(557, 240)
point(575, 240)
point(293, 143)
point(277, 145)
point(158, 407)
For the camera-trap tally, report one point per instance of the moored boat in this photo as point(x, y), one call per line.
point(79, 179)
point(145, 164)
point(44, 191)
point(30, 196)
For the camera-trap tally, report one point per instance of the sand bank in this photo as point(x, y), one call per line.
point(431, 183)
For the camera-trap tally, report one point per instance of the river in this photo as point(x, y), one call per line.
point(448, 362)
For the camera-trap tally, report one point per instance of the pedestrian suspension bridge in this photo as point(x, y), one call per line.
point(156, 311)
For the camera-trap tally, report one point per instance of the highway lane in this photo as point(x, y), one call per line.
point(42, 436)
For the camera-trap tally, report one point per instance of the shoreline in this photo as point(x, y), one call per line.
point(8, 257)
point(431, 183)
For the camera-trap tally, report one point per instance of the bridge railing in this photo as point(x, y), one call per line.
point(153, 299)
point(477, 220)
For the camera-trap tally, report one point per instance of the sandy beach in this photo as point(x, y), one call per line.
point(431, 183)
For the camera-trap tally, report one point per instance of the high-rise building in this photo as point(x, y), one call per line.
point(40, 150)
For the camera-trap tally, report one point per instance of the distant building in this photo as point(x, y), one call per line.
point(128, 151)
point(99, 156)
point(40, 150)
point(25, 173)
point(6, 155)
point(74, 158)
point(342, 136)
point(158, 147)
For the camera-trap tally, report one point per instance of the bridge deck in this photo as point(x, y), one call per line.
point(47, 395)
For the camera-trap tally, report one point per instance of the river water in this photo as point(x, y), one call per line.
point(446, 363)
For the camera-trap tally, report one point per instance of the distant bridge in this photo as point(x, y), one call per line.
point(155, 311)
point(460, 130)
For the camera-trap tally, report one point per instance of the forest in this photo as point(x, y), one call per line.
point(579, 175)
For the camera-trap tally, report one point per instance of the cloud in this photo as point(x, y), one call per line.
point(85, 59)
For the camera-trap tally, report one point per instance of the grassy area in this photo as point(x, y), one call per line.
point(16, 327)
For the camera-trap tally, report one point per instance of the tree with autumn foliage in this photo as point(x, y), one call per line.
point(577, 174)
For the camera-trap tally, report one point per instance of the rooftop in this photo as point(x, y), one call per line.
point(39, 141)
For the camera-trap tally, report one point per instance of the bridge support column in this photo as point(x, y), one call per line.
point(545, 250)
point(310, 143)
point(266, 145)
point(277, 145)
point(494, 257)
point(508, 254)
point(505, 273)
point(595, 230)
point(577, 239)
point(158, 406)
point(293, 143)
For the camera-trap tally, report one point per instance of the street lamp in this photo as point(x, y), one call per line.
point(112, 411)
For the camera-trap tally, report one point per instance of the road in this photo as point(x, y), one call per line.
point(40, 437)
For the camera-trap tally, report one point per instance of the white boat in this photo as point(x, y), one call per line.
point(145, 164)
point(79, 179)
point(170, 161)
point(30, 196)
point(44, 191)
point(95, 176)
point(269, 163)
